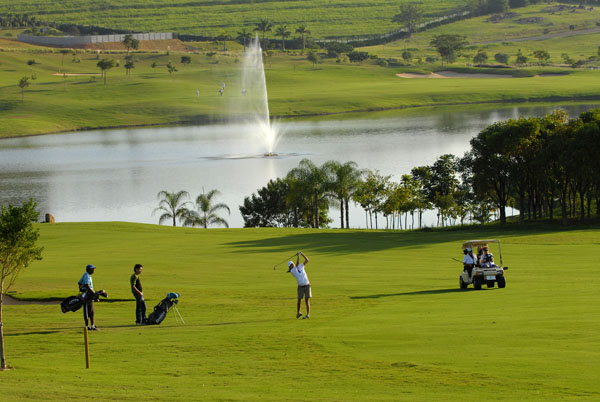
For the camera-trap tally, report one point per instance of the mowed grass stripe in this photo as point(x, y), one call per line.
point(388, 319)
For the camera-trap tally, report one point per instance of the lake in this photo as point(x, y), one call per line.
point(115, 175)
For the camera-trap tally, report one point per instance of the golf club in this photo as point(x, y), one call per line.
point(288, 258)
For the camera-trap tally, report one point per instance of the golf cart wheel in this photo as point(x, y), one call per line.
point(501, 282)
point(490, 284)
point(463, 285)
point(477, 283)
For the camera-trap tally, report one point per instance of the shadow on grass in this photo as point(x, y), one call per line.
point(360, 241)
point(39, 332)
point(417, 293)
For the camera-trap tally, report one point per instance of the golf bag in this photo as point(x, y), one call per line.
point(74, 303)
point(162, 308)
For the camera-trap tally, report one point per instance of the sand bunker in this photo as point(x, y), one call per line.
point(76, 74)
point(452, 74)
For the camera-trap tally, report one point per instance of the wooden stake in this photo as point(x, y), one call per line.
point(87, 347)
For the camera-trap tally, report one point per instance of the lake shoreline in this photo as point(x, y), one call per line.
point(206, 121)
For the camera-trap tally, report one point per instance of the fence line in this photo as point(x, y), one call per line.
point(82, 40)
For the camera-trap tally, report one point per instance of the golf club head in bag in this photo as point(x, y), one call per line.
point(162, 308)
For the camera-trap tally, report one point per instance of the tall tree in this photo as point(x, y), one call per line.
point(104, 65)
point(129, 64)
point(130, 42)
point(224, 37)
point(443, 184)
point(410, 16)
point(269, 207)
point(311, 181)
point(344, 179)
point(283, 33)
point(448, 45)
point(23, 83)
point(371, 194)
point(244, 37)
point(490, 158)
point(303, 31)
point(18, 250)
point(172, 206)
point(264, 26)
point(206, 212)
point(171, 68)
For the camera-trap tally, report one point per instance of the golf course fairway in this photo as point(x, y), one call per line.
point(388, 320)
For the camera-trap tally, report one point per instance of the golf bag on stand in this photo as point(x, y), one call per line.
point(162, 308)
point(74, 303)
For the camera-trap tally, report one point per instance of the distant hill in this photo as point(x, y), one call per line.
point(211, 18)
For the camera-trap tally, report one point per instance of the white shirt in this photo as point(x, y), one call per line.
point(469, 259)
point(300, 275)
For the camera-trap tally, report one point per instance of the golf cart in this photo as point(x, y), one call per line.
point(484, 271)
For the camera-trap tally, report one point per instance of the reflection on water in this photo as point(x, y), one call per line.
point(109, 175)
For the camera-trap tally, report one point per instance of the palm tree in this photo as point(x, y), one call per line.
point(206, 211)
point(284, 33)
point(172, 206)
point(263, 26)
point(223, 36)
point(313, 182)
point(244, 37)
point(344, 179)
point(302, 30)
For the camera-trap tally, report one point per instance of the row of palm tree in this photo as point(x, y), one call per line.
point(202, 213)
point(264, 26)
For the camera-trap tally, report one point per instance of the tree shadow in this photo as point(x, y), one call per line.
point(359, 241)
point(416, 293)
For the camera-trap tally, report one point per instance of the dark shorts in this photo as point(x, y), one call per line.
point(304, 292)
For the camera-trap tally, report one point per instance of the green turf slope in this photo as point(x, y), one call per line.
point(388, 320)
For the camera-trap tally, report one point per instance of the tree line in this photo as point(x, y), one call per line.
point(542, 166)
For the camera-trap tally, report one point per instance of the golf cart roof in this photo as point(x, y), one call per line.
point(478, 243)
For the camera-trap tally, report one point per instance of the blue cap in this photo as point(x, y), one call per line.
point(90, 266)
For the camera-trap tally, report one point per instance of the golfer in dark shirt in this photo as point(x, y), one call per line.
point(136, 289)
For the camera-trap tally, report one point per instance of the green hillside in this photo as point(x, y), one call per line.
point(207, 17)
point(388, 321)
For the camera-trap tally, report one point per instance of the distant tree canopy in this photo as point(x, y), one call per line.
point(481, 57)
point(18, 249)
point(130, 42)
point(104, 65)
point(448, 45)
point(357, 57)
point(411, 14)
point(536, 165)
point(501, 58)
point(334, 49)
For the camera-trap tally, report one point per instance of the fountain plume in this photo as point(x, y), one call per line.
point(255, 102)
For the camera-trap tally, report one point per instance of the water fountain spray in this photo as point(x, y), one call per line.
point(255, 99)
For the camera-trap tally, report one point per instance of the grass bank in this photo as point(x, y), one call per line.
point(388, 320)
point(60, 99)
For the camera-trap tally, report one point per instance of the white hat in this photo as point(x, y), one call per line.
point(290, 264)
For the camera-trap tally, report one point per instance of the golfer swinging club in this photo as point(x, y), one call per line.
point(303, 284)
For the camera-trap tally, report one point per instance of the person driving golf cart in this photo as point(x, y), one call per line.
point(468, 260)
point(487, 258)
point(481, 270)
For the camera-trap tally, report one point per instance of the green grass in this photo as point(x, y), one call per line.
point(388, 320)
point(204, 17)
point(53, 103)
point(501, 37)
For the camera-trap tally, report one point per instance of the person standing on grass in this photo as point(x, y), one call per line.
point(136, 289)
point(86, 287)
point(304, 291)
